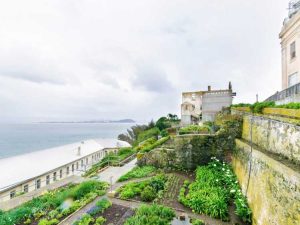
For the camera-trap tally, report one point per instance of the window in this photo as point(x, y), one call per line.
point(47, 179)
point(293, 79)
point(77, 165)
point(38, 184)
point(60, 174)
point(54, 176)
point(25, 188)
point(293, 50)
point(82, 163)
point(87, 161)
point(193, 96)
point(72, 168)
point(68, 170)
point(12, 194)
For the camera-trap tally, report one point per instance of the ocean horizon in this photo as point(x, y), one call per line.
point(21, 138)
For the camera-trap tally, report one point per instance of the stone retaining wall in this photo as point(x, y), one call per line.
point(274, 136)
point(274, 189)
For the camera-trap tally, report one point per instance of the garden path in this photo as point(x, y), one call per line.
point(112, 174)
point(115, 173)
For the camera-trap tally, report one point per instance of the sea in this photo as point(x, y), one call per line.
point(16, 139)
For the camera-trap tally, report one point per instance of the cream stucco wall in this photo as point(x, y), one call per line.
point(290, 32)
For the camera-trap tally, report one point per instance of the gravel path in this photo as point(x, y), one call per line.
point(110, 175)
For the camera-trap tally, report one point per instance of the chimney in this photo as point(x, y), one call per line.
point(79, 151)
point(209, 88)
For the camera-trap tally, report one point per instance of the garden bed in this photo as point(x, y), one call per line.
point(104, 212)
point(147, 190)
point(172, 190)
point(213, 191)
point(151, 214)
point(54, 206)
point(138, 172)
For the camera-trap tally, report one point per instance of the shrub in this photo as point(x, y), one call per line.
point(241, 105)
point(156, 144)
point(146, 143)
point(259, 106)
point(87, 187)
point(163, 123)
point(164, 133)
point(137, 172)
point(48, 222)
point(153, 132)
point(148, 194)
point(194, 129)
point(151, 214)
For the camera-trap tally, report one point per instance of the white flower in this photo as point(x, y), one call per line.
point(232, 191)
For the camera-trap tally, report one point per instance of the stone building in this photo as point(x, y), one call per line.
point(290, 46)
point(290, 57)
point(204, 105)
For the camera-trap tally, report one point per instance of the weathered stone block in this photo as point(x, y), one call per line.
point(273, 190)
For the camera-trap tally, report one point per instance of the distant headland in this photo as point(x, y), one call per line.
point(94, 121)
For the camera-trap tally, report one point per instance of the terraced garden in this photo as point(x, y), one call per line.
point(54, 206)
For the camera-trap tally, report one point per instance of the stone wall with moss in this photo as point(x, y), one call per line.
point(190, 151)
point(272, 189)
point(274, 136)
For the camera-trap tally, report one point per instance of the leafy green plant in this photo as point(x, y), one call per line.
point(197, 222)
point(148, 194)
point(138, 172)
point(100, 221)
point(194, 129)
point(151, 214)
point(134, 189)
point(86, 219)
point(46, 206)
point(156, 144)
point(212, 190)
point(241, 105)
point(146, 143)
point(48, 222)
point(259, 106)
point(153, 132)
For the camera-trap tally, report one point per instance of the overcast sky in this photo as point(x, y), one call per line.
point(109, 59)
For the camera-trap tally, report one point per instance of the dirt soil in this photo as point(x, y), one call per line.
point(116, 214)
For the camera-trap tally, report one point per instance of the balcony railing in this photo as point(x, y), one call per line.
point(291, 91)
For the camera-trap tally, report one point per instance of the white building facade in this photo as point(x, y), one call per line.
point(204, 105)
point(29, 172)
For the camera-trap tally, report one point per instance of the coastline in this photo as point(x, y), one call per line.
point(17, 139)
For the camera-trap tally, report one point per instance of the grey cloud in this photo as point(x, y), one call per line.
point(116, 58)
point(152, 79)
